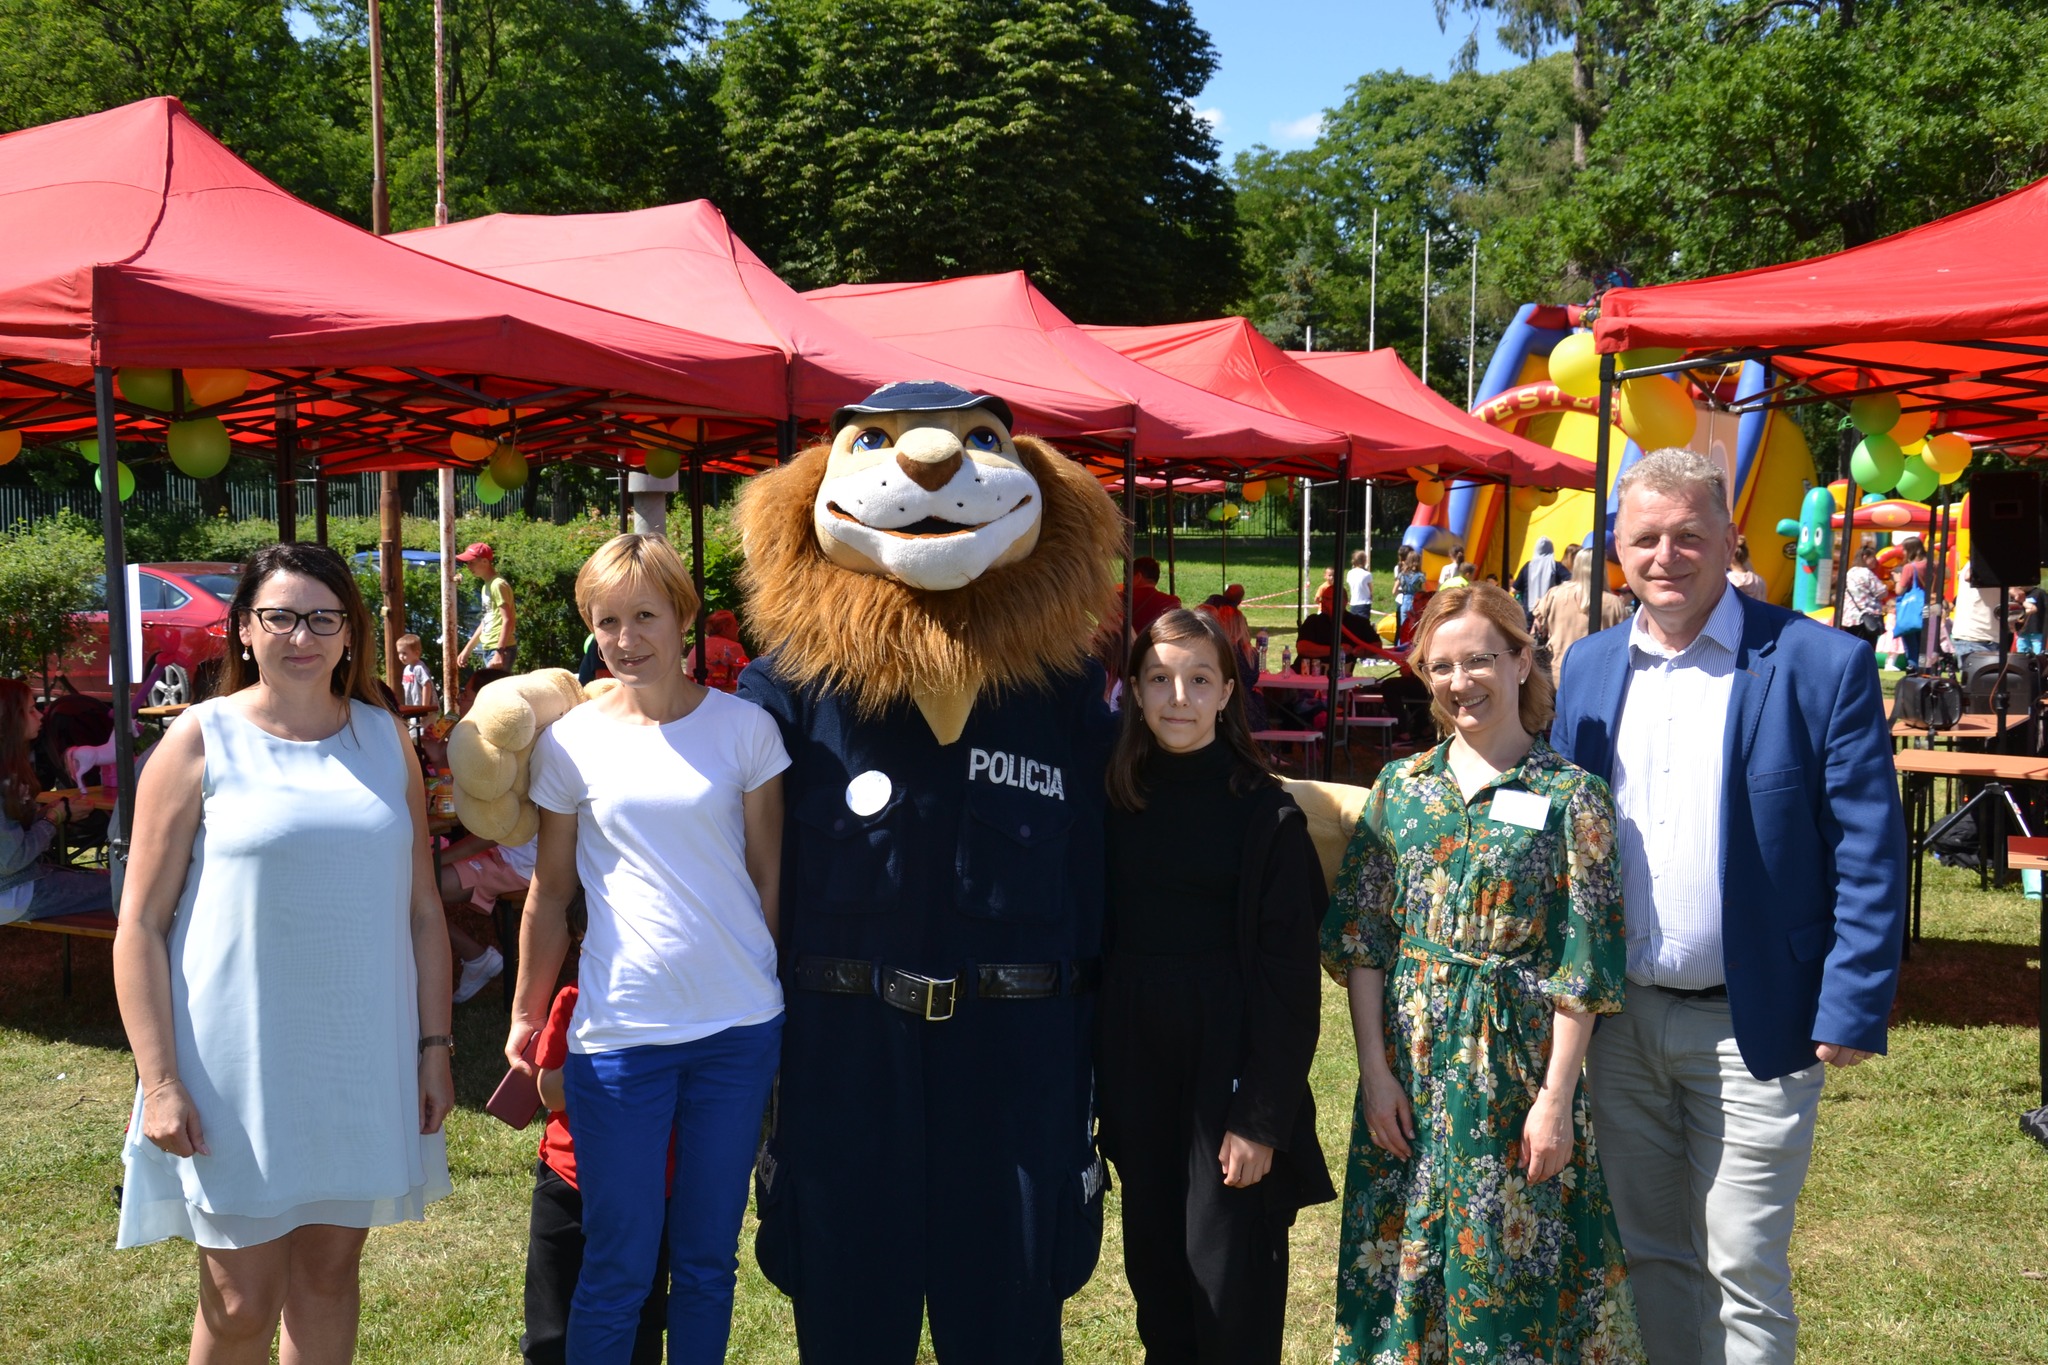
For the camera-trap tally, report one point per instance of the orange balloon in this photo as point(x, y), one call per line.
point(207, 387)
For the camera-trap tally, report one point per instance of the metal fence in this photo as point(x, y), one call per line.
point(353, 495)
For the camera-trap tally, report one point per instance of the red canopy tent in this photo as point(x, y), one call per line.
point(1228, 356)
point(682, 265)
point(136, 239)
point(1381, 375)
point(1001, 324)
point(1952, 315)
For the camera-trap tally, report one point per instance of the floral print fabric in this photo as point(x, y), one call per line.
point(1483, 927)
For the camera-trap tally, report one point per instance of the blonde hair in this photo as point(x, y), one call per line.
point(633, 561)
point(408, 642)
point(1538, 699)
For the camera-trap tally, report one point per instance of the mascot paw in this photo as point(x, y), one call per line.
point(491, 747)
point(1332, 809)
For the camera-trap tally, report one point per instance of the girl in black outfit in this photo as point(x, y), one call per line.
point(1211, 1004)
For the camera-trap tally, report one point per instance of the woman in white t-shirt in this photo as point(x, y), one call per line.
point(664, 799)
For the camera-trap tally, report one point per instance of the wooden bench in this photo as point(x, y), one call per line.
point(86, 924)
point(1309, 740)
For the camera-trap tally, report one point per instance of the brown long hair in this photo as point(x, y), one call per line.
point(17, 770)
point(353, 676)
point(1134, 742)
point(1538, 698)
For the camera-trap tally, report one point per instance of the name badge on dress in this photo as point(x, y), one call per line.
point(1527, 809)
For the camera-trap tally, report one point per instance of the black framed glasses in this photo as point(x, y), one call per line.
point(279, 621)
point(1475, 665)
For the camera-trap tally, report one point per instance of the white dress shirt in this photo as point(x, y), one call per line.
point(1667, 795)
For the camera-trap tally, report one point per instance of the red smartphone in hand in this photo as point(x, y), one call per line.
point(517, 1098)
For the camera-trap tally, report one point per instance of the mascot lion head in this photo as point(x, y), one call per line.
point(927, 554)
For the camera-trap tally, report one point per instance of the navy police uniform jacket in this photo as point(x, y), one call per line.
point(948, 1160)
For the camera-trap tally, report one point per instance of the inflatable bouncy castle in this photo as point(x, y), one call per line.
point(1769, 467)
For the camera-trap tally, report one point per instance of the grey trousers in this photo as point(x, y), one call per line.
point(1704, 1163)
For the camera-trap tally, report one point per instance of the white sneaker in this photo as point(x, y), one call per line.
point(478, 972)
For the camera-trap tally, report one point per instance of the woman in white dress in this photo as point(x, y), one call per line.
point(282, 968)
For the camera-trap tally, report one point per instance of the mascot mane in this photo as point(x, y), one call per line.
point(880, 641)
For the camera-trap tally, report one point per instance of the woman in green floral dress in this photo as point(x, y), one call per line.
point(1477, 922)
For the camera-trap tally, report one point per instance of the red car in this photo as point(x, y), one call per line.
point(184, 634)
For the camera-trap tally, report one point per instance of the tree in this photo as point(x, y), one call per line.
point(554, 106)
point(235, 64)
point(1458, 158)
point(47, 575)
point(878, 139)
point(1773, 129)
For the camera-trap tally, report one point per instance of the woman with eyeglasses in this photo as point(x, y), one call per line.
point(282, 969)
point(1477, 924)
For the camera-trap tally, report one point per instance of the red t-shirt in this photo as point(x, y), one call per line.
point(557, 1149)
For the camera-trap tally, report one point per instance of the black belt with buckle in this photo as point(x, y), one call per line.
point(934, 998)
point(1703, 993)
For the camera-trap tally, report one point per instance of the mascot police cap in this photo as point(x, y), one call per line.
point(921, 395)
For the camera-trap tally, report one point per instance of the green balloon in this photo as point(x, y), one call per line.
point(200, 449)
point(507, 467)
point(124, 479)
point(1877, 463)
point(487, 492)
point(1874, 415)
point(1918, 481)
point(662, 463)
point(146, 388)
point(90, 451)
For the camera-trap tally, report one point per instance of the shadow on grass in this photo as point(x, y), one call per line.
point(1969, 983)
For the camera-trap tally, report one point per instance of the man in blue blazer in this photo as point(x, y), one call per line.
point(1763, 883)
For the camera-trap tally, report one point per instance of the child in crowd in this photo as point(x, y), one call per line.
point(1210, 1005)
point(554, 1238)
point(416, 685)
point(475, 871)
point(2027, 604)
point(31, 887)
point(724, 655)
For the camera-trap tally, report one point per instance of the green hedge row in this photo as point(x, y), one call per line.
point(48, 570)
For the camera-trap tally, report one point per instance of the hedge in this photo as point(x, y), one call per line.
point(41, 578)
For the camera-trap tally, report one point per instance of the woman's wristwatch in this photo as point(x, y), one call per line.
point(446, 1040)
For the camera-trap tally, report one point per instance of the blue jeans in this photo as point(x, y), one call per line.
point(623, 1105)
point(2029, 644)
point(65, 891)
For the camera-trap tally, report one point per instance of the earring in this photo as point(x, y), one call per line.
point(344, 653)
point(245, 653)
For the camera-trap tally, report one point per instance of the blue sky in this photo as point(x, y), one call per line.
point(1285, 61)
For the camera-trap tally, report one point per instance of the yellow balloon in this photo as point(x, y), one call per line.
point(1656, 412)
point(1947, 453)
point(1950, 478)
point(10, 445)
point(1575, 366)
point(1910, 427)
point(1644, 356)
point(1523, 498)
point(1253, 491)
point(661, 462)
point(508, 467)
point(145, 387)
point(1429, 491)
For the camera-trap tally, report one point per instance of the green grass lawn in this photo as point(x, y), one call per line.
point(1270, 571)
point(1923, 1234)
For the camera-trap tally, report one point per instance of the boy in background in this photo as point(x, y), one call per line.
point(415, 684)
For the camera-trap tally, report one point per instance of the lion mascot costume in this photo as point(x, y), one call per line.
point(925, 589)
